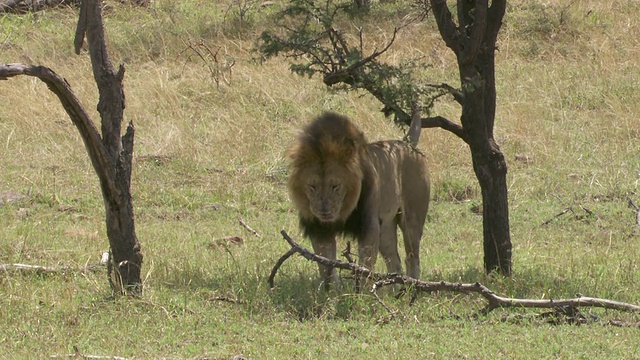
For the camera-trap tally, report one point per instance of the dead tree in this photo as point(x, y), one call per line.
point(110, 153)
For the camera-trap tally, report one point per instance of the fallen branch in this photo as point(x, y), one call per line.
point(575, 216)
point(77, 354)
point(85, 356)
point(295, 248)
point(493, 301)
point(226, 299)
point(557, 216)
point(282, 259)
point(50, 270)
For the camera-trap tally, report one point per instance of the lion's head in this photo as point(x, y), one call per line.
point(326, 174)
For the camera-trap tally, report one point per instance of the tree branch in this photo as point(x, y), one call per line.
point(493, 301)
point(446, 124)
point(295, 248)
point(348, 74)
point(80, 118)
point(458, 96)
point(111, 102)
point(495, 16)
point(446, 26)
point(474, 32)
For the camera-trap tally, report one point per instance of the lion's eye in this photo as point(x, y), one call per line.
point(311, 188)
point(335, 188)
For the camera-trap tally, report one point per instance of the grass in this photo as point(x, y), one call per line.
point(208, 153)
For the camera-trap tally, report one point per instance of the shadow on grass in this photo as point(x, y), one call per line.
point(298, 294)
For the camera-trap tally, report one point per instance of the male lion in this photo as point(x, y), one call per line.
point(341, 184)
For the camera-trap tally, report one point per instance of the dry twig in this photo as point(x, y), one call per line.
point(557, 216)
point(244, 224)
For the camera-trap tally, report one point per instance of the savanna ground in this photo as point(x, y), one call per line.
point(210, 150)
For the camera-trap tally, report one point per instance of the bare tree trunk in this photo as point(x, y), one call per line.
point(478, 114)
point(473, 40)
point(115, 179)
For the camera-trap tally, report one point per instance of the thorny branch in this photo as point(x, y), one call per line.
point(320, 48)
point(208, 56)
point(493, 301)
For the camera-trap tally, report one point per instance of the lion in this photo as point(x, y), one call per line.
point(342, 185)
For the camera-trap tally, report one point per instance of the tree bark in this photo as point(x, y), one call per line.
point(115, 183)
point(473, 41)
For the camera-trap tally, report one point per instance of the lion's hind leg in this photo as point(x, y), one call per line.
point(412, 227)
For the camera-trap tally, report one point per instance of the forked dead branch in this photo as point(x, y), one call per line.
point(110, 152)
point(493, 301)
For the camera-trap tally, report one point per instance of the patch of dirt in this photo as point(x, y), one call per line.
point(9, 196)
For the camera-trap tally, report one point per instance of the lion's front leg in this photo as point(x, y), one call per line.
point(326, 247)
point(368, 243)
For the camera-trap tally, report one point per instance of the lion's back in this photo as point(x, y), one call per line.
point(402, 177)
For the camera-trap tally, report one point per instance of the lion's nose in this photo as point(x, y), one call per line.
point(325, 209)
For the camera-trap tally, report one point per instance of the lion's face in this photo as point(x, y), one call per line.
point(326, 169)
point(331, 193)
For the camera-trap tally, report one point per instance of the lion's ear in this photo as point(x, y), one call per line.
point(300, 154)
point(293, 152)
point(348, 151)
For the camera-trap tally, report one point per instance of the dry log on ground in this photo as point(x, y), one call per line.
point(493, 301)
point(49, 270)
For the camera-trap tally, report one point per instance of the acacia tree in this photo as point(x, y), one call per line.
point(307, 32)
point(111, 153)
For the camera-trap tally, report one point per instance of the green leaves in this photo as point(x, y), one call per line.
point(308, 32)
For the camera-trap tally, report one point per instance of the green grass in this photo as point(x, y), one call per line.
point(207, 154)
